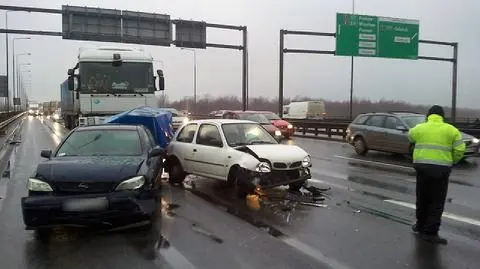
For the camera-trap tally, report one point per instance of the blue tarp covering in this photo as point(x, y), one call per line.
point(158, 121)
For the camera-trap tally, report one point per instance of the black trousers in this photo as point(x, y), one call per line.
point(432, 186)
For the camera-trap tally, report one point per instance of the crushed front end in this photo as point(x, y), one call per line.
point(276, 178)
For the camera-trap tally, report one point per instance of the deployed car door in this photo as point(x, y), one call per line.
point(209, 152)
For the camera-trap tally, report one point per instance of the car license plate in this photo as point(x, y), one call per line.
point(93, 204)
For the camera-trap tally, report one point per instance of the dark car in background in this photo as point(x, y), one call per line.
point(388, 132)
point(103, 175)
point(255, 117)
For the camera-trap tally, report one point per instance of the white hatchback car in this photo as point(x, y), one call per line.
point(240, 152)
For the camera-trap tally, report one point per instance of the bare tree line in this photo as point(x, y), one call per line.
point(334, 109)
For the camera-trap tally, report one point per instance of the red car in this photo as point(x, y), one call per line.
point(284, 126)
point(256, 117)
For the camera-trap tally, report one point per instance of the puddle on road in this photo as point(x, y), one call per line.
point(381, 184)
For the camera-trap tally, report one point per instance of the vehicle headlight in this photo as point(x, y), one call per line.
point(263, 167)
point(475, 140)
point(131, 184)
point(290, 126)
point(38, 185)
point(278, 133)
point(307, 162)
point(185, 120)
point(30, 111)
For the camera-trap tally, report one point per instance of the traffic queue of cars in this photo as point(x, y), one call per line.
point(275, 125)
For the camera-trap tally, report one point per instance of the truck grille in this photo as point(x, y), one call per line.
point(83, 187)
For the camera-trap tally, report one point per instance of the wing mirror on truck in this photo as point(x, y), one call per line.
point(161, 80)
point(71, 83)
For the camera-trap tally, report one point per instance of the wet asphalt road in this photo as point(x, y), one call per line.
point(365, 223)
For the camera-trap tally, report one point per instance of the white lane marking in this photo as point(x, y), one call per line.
point(445, 214)
point(314, 253)
point(173, 257)
point(373, 162)
point(336, 175)
point(329, 173)
point(338, 186)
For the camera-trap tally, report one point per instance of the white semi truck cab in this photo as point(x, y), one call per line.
point(108, 81)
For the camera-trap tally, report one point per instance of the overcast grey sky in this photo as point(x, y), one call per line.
point(319, 76)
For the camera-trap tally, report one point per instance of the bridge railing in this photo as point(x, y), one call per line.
point(339, 128)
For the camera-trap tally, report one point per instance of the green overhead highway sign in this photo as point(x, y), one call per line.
point(371, 36)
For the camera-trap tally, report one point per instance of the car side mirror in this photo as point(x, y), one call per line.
point(46, 154)
point(161, 80)
point(156, 151)
point(401, 128)
point(71, 83)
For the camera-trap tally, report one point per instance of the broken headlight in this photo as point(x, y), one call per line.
point(263, 167)
point(307, 162)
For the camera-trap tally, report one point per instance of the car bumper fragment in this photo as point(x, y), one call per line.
point(119, 209)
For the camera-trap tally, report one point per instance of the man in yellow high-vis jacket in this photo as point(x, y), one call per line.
point(438, 146)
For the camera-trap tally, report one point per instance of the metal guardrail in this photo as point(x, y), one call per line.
point(339, 129)
point(9, 117)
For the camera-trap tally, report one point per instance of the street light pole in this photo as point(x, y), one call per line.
point(6, 59)
point(19, 75)
point(14, 56)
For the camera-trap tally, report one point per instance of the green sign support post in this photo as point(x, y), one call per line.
point(371, 36)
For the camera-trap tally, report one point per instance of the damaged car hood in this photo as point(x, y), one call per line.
point(278, 152)
point(105, 168)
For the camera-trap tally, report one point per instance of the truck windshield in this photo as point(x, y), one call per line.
point(128, 78)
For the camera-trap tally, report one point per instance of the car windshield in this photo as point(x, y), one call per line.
point(272, 116)
point(411, 121)
point(260, 118)
point(239, 134)
point(101, 143)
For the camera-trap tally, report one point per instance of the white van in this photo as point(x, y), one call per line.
point(305, 110)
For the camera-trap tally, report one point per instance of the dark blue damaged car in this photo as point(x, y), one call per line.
point(99, 176)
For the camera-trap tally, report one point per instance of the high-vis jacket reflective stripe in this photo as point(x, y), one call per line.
point(436, 142)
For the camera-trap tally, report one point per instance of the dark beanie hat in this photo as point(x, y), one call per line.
point(436, 109)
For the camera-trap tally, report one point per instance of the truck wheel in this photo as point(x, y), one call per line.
point(360, 146)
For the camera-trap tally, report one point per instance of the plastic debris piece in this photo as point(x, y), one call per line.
point(253, 202)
